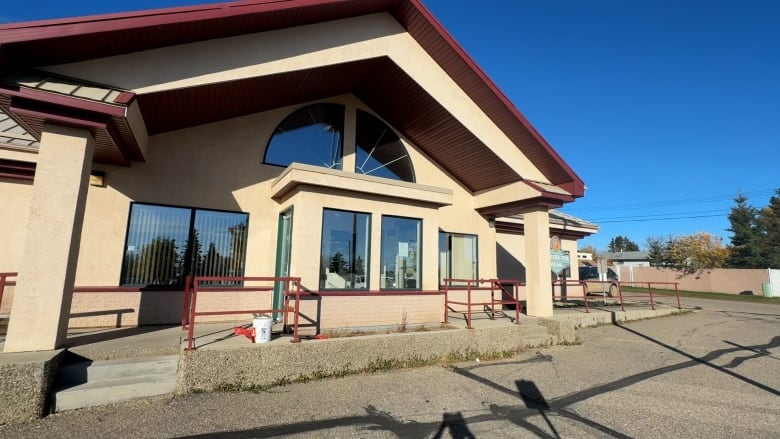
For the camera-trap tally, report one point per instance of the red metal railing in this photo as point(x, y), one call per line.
point(573, 283)
point(495, 286)
point(649, 291)
point(4, 282)
point(195, 287)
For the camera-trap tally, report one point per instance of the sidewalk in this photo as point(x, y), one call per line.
point(224, 361)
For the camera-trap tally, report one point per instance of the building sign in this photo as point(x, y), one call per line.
point(559, 259)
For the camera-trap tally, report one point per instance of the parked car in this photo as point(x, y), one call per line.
point(590, 274)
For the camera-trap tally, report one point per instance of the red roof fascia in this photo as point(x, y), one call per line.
point(63, 27)
point(75, 122)
point(65, 101)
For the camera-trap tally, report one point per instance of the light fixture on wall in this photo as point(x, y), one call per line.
point(97, 178)
point(492, 222)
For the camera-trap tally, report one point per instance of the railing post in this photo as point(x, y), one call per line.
point(185, 309)
point(585, 299)
point(652, 302)
point(191, 327)
point(297, 311)
point(468, 287)
point(446, 301)
point(2, 287)
point(677, 293)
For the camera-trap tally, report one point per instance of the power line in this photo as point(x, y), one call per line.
point(659, 219)
point(677, 202)
point(650, 215)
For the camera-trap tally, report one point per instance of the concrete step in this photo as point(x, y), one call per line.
point(536, 335)
point(96, 371)
point(111, 391)
point(91, 383)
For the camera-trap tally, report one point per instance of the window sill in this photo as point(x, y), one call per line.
point(297, 175)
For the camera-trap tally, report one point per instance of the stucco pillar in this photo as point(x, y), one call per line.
point(537, 263)
point(44, 289)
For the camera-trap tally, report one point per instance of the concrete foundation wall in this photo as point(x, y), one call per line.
point(25, 382)
point(242, 368)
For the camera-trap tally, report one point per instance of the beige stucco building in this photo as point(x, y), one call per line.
point(352, 144)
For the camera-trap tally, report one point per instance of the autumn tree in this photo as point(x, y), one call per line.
point(592, 250)
point(692, 253)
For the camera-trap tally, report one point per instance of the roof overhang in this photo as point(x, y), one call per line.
point(378, 82)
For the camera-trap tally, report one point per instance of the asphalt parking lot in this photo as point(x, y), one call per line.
point(712, 373)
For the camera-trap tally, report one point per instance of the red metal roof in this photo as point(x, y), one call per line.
point(430, 126)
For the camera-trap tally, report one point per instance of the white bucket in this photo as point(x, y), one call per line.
point(262, 327)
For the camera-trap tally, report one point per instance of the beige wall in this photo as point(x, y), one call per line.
point(15, 198)
point(718, 280)
point(219, 165)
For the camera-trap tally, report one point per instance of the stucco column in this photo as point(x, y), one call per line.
point(44, 289)
point(537, 263)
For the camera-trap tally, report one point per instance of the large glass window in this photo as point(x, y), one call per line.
point(312, 135)
point(401, 251)
point(457, 256)
point(379, 150)
point(344, 254)
point(165, 244)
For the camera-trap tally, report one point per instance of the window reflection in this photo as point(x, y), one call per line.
point(379, 150)
point(401, 251)
point(312, 135)
point(457, 256)
point(165, 244)
point(344, 252)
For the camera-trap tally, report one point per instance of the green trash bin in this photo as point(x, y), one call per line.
point(766, 289)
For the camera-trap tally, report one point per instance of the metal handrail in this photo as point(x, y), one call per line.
point(191, 300)
point(494, 285)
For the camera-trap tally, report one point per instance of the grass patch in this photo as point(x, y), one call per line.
point(397, 329)
point(706, 295)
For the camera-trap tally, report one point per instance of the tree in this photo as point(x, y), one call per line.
point(700, 251)
point(657, 253)
point(337, 263)
point(745, 229)
point(157, 263)
point(622, 244)
point(769, 232)
point(755, 242)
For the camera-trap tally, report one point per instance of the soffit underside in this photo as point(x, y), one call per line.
point(377, 82)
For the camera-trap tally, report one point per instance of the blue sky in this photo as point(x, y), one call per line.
point(666, 109)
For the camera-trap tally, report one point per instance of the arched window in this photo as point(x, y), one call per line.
point(380, 151)
point(312, 135)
